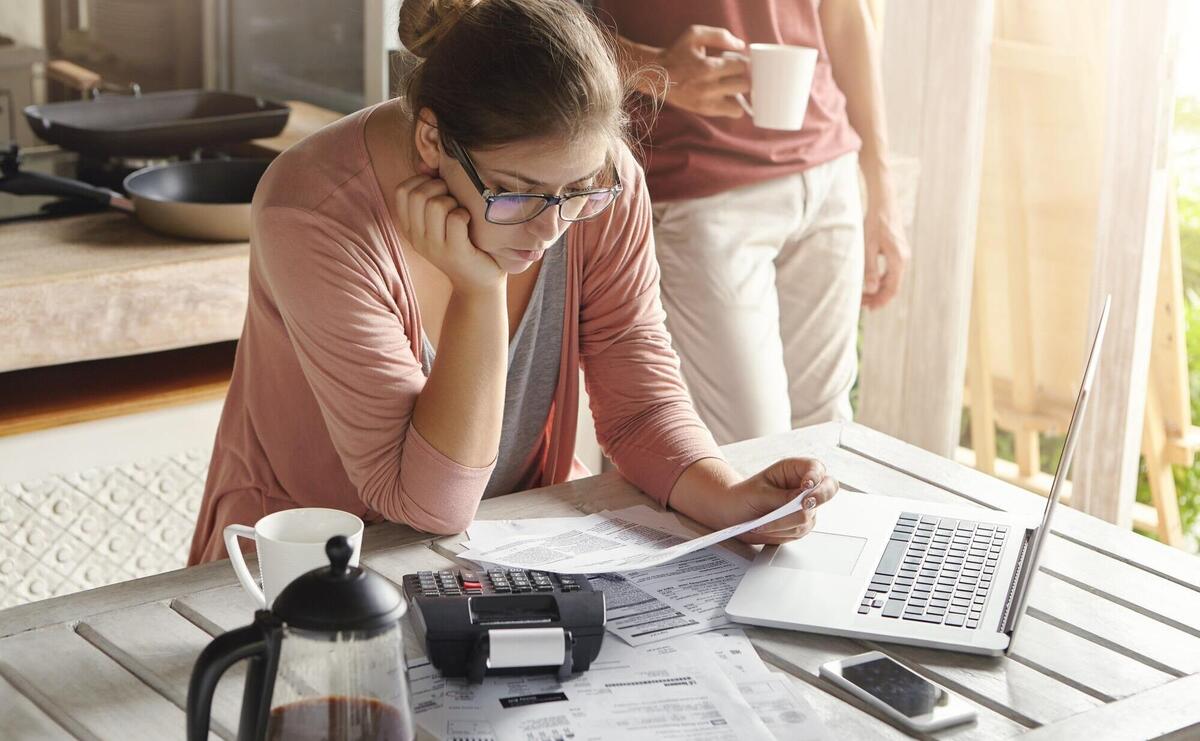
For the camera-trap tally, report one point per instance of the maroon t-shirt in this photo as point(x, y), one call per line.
point(691, 156)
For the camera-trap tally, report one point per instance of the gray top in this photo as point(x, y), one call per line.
point(533, 359)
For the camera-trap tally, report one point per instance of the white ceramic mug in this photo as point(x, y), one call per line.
point(289, 543)
point(780, 80)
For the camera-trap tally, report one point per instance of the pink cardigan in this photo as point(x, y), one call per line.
point(328, 368)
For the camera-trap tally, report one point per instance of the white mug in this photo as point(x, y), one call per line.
point(781, 78)
point(289, 543)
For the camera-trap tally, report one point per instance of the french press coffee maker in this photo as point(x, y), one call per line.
point(326, 661)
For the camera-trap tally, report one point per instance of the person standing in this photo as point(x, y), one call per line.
point(766, 249)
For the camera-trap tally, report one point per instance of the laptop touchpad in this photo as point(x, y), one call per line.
point(818, 551)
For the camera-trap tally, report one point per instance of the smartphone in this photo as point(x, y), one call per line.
point(902, 694)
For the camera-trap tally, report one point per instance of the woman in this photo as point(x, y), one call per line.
point(427, 277)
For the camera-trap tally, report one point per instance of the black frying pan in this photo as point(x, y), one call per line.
point(156, 124)
point(207, 200)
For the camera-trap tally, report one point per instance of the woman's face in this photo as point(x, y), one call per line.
point(543, 166)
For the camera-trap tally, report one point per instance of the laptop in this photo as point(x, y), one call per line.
point(908, 571)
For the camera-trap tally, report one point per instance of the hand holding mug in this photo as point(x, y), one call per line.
point(701, 83)
point(781, 80)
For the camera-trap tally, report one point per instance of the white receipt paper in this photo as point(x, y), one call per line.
point(608, 543)
point(526, 647)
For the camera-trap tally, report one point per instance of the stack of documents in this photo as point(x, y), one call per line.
point(672, 676)
point(709, 687)
point(685, 596)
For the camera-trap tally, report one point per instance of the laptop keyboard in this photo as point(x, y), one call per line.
point(935, 570)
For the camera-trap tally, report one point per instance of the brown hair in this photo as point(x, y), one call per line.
point(500, 71)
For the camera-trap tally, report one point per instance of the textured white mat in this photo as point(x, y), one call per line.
point(75, 531)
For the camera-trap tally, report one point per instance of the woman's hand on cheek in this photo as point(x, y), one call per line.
point(435, 225)
point(773, 487)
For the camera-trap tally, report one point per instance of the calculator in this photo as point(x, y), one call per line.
point(509, 581)
point(506, 621)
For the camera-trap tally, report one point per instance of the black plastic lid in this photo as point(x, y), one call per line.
point(339, 597)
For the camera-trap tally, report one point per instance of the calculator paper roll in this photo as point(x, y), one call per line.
point(516, 647)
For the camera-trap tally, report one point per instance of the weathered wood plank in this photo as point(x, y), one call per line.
point(22, 719)
point(216, 611)
point(803, 653)
point(1114, 626)
point(1168, 709)
point(1127, 585)
point(75, 607)
point(1081, 528)
point(83, 688)
point(160, 647)
point(1082, 664)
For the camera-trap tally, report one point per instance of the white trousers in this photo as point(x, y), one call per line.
point(762, 287)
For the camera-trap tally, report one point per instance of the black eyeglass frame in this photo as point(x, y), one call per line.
point(490, 196)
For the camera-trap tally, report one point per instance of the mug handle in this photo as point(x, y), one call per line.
point(741, 98)
point(232, 533)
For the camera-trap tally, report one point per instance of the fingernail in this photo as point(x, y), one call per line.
point(808, 484)
point(810, 503)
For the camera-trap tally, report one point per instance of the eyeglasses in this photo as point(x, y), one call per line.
point(517, 208)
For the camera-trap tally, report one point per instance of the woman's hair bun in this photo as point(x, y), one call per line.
point(423, 23)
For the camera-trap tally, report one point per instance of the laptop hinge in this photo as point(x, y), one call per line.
point(1009, 617)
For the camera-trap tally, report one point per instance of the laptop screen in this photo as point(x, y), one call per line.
point(1064, 465)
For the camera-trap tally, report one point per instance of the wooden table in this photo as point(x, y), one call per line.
point(1110, 647)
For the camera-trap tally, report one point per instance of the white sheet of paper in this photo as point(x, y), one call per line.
point(674, 689)
point(782, 709)
point(491, 533)
point(685, 596)
point(773, 695)
point(622, 696)
point(608, 542)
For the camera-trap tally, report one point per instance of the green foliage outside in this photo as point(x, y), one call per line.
point(1186, 167)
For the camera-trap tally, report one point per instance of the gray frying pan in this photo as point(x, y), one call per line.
point(207, 200)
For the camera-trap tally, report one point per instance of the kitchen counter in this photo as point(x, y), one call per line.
point(102, 285)
point(1110, 647)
